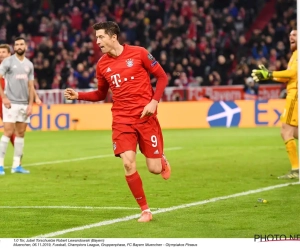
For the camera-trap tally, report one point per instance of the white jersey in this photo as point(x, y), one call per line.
point(17, 74)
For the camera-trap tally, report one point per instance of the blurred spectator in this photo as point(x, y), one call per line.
point(83, 76)
point(214, 79)
point(222, 66)
point(250, 89)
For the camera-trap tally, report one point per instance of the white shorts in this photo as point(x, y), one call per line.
point(16, 113)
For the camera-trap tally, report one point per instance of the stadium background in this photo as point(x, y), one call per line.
point(207, 47)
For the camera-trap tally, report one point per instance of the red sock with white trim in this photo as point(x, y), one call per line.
point(135, 184)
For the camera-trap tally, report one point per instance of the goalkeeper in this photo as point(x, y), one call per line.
point(289, 117)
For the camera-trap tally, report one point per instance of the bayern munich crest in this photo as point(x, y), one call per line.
point(129, 62)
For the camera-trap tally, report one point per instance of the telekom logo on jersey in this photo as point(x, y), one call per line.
point(116, 79)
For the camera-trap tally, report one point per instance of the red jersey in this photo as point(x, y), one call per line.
point(2, 83)
point(128, 78)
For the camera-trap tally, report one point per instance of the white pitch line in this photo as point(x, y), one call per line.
point(71, 207)
point(163, 210)
point(82, 159)
point(67, 160)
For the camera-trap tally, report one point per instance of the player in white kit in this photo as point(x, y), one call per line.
point(17, 101)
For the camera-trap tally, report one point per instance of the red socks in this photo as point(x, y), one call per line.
point(12, 139)
point(135, 184)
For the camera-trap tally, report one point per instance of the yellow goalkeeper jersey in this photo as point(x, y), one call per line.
point(292, 73)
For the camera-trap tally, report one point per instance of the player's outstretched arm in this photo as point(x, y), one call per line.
point(262, 74)
point(92, 96)
point(289, 73)
point(283, 80)
point(70, 94)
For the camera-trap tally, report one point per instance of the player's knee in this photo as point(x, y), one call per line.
point(296, 133)
point(20, 134)
point(129, 166)
point(8, 132)
point(20, 131)
point(287, 132)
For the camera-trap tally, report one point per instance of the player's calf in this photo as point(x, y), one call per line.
point(3, 148)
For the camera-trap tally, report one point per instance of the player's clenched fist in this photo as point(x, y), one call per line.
point(150, 108)
point(71, 94)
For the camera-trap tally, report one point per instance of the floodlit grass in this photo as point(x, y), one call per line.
point(210, 163)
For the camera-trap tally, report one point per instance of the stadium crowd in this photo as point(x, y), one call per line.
point(197, 42)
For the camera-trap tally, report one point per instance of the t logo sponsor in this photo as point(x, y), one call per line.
point(116, 79)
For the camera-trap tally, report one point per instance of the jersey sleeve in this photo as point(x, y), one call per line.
point(4, 66)
point(103, 85)
point(288, 73)
point(285, 73)
point(149, 62)
point(152, 66)
point(283, 80)
point(31, 73)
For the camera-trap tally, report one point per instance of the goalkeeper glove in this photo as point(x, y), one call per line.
point(261, 74)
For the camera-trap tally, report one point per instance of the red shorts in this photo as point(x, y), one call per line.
point(148, 135)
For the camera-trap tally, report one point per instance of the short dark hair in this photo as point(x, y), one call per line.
point(19, 38)
point(5, 46)
point(110, 28)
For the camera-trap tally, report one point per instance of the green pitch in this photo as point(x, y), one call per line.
point(76, 169)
